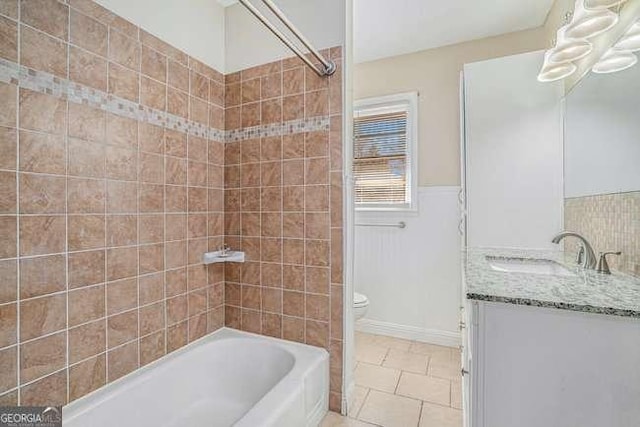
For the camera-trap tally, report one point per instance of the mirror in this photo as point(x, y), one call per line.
point(602, 164)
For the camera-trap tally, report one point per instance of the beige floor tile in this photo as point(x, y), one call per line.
point(370, 353)
point(363, 338)
point(435, 390)
point(389, 410)
point(377, 377)
point(456, 394)
point(450, 370)
point(406, 361)
point(440, 416)
point(336, 420)
point(357, 399)
point(392, 342)
point(433, 350)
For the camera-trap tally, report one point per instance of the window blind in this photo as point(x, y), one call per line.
point(380, 158)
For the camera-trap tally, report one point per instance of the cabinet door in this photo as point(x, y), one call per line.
point(513, 154)
point(556, 368)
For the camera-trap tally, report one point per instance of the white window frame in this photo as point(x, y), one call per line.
point(380, 105)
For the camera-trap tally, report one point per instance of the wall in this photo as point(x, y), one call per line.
point(197, 27)
point(283, 205)
point(410, 275)
point(111, 178)
point(435, 74)
point(249, 43)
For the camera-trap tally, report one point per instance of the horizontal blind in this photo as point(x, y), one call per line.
point(380, 158)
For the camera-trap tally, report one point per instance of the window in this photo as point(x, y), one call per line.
point(384, 163)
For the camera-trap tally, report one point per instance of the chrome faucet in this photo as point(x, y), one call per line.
point(589, 260)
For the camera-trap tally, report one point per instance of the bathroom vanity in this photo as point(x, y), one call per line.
point(546, 343)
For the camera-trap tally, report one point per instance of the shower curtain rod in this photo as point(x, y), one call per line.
point(328, 66)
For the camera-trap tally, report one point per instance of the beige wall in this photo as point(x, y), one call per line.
point(435, 74)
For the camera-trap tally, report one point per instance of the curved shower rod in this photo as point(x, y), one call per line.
point(328, 66)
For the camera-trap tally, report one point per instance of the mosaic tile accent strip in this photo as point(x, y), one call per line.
point(43, 82)
point(314, 124)
point(611, 222)
point(587, 291)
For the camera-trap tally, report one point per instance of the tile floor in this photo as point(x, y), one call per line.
point(402, 383)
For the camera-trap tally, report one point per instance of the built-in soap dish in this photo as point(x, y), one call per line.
point(223, 255)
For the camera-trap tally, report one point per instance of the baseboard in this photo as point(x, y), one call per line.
point(431, 336)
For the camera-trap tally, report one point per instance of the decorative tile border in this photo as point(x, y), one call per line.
point(277, 129)
point(43, 82)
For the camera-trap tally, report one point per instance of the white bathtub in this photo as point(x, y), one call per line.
point(228, 378)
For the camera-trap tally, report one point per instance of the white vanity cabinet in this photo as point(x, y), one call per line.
point(549, 367)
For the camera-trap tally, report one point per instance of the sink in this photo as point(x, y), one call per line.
point(528, 265)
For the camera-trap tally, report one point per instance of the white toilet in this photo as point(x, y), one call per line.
point(360, 305)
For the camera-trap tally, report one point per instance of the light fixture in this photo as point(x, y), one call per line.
point(601, 4)
point(570, 50)
point(614, 61)
point(587, 24)
point(631, 40)
point(551, 72)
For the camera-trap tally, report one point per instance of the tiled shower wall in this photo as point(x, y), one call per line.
point(611, 222)
point(111, 188)
point(283, 205)
point(112, 185)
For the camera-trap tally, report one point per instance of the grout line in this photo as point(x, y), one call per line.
point(18, 269)
point(66, 211)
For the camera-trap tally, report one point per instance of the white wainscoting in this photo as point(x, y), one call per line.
point(412, 276)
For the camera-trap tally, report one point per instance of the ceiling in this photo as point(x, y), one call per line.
point(384, 28)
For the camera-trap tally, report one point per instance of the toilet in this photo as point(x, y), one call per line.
point(360, 305)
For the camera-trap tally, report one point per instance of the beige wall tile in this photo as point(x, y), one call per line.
point(86, 304)
point(86, 340)
point(51, 390)
point(41, 235)
point(122, 360)
point(88, 33)
point(123, 82)
point(41, 194)
point(42, 112)
point(43, 356)
point(8, 367)
point(41, 316)
point(42, 275)
point(124, 50)
point(87, 376)
point(42, 52)
point(8, 39)
point(48, 16)
point(10, 107)
point(8, 324)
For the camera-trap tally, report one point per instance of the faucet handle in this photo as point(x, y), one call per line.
point(603, 265)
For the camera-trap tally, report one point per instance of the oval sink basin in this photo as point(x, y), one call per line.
point(528, 266)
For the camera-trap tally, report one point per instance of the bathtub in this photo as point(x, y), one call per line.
point(227, 378)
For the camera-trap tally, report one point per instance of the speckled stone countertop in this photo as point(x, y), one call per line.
point(588, 291)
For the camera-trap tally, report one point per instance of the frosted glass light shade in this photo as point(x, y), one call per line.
point(601, 4)
point(569, 51)
point(551, 73)
point(631, 40)
point(591, 24)
point(614, 61)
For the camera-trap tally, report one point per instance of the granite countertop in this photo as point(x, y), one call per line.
point(588, 291)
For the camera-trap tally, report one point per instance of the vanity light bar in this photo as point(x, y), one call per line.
point(590, 19)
